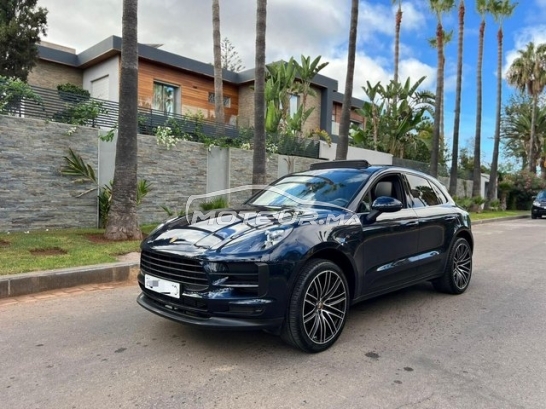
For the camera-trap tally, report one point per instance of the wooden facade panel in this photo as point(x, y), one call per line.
point(193, 89)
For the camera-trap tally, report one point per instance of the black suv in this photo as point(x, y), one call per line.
point(300, 252)
point(539, 205)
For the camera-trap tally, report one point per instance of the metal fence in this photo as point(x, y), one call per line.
point(71, 108)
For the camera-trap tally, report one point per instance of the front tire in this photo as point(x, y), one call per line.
point(458, 270)
point(318, 307)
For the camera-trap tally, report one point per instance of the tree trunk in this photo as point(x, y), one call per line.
point(122, 221)
point(218, 80)
point(259, 158)
point(456, 122)
point(532, 159)
point(477, 174)
point(435, 154)
point(397, 43)
point(397, 53)
point(492, 191)
point(344, 126)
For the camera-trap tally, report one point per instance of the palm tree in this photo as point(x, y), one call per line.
point(483, 7)
point(345, 122)
point(439, 7)
point(457, 119)
point(528, 74)
point(398, 19)
point(218, 83)
point(447, 37)
point(500, 10)
point(122, 219)
point(258, 161)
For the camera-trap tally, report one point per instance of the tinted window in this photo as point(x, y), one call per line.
point(441, 196)
point(335, 186)
point(422, 193)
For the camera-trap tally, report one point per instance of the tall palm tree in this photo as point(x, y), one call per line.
point(500, 10)
point(439, 7)
point(258, 160)
point(398, 20)
point(122, 219)
point(458, 90)
point(483, 7)
point(528, 74)
point(345, 122)
point(447, 36)
point(218, 80)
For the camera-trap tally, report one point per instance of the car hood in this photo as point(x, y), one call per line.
point(199, 231)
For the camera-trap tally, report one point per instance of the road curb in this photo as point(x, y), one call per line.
point(500, 219)
point(31, 283)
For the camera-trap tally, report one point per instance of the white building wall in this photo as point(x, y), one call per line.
point(106, 69)
point(373, 157)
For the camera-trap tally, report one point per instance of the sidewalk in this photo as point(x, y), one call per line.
point(17, 285)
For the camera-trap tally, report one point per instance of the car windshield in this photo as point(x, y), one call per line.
point(541, 195)
point(331, 186)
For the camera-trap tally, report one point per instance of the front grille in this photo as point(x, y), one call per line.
point(187, 271)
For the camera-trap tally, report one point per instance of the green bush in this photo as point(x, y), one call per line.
point(525, 185)
point(12, 92)
point(219, 202)
point(72, 93)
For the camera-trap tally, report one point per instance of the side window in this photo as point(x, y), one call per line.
point(422, 193)
point(388, 186)
point(441, 196)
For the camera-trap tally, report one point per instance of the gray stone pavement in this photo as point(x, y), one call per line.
point(125, 270)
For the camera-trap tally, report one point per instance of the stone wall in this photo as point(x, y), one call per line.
point(33, 194)
point(49, 74)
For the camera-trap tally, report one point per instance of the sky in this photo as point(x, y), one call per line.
point(321, 27)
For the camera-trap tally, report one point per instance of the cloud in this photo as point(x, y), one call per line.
point(536, 34)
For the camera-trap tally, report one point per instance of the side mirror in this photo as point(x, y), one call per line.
point(383, 204)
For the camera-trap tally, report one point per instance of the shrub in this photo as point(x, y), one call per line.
point(72, 93)
point(219, 202)
point(12, 92)
point(525, 185)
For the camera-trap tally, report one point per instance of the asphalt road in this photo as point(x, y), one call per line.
point(412, 349)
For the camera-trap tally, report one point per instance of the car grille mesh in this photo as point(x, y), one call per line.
point(184, 270)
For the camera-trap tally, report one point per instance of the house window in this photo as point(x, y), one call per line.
point(294, 102)
point(165, 98)
point(227, 100)
point(356, 124)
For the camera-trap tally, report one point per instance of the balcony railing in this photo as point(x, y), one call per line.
point(65, 107)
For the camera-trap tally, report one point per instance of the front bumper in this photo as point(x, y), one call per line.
point(538, 211)
point(186, 316)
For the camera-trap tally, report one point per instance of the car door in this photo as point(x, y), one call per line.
point(388, 245)
point(437, 221)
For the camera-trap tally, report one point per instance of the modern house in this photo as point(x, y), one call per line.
point(175, 84)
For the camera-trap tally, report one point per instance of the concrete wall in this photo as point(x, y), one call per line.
point(375, 158)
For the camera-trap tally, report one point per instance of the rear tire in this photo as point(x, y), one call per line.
point(458, 270)
point(318, 307)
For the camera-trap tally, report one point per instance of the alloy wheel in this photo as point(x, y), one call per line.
point(324, 307)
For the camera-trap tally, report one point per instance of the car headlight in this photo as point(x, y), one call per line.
point(537, 204)
point(256, 241)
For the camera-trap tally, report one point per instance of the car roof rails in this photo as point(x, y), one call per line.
point(333, 164)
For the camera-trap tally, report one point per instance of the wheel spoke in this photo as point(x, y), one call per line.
point(462, 266)
point(324, 307)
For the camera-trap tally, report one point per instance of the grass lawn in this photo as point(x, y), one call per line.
point(47, 250)
point(497, 214)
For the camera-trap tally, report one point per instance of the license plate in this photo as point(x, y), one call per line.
point(159, 285)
